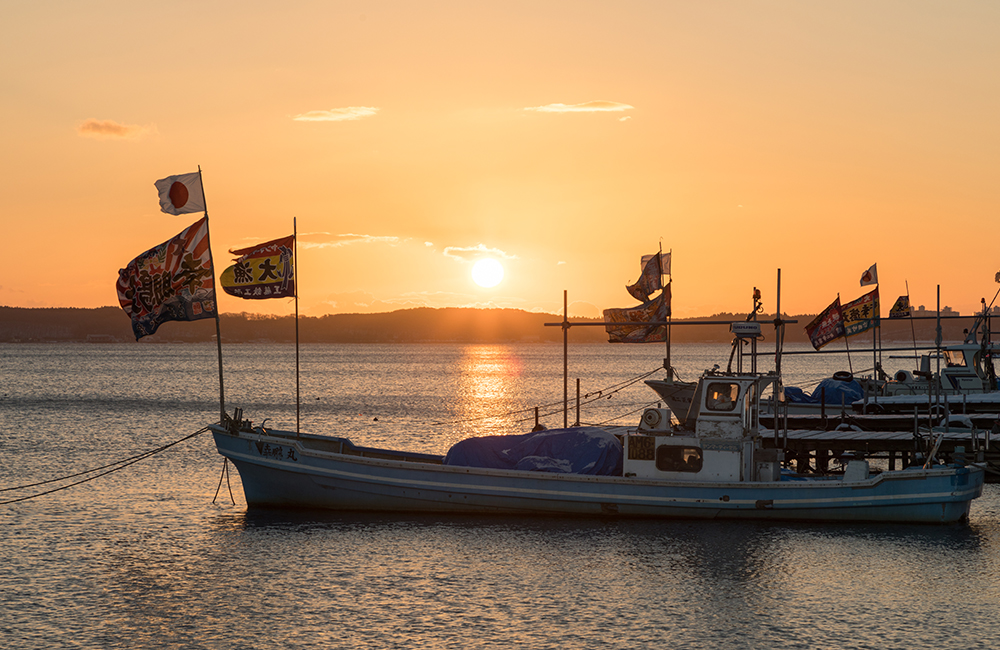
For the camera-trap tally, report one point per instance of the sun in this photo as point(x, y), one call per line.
point(487, 272)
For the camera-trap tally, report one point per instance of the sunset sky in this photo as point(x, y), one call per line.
point(564, 139)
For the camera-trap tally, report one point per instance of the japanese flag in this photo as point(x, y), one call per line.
point(181, 194)
point(870, 276)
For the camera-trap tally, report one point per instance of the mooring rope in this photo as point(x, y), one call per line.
point(225, 475)
point(121, 464)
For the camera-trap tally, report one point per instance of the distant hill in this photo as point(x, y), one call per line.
point(403, 326)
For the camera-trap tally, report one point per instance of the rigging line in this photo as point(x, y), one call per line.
point(597, 398)
point(618, 417)
point(611, 390)
point(630, 381)
point(559, 410)
point(131, 461)
point(817, 382)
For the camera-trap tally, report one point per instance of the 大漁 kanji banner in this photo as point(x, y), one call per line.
point(263, 271)
point(173, 281)
point(901, 308)
point(656, 310)
point(862, 314)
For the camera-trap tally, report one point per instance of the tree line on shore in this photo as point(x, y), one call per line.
point(103, 324)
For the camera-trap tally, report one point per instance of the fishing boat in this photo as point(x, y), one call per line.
point(964, 382)
point(715, 467)
point(956, 379)
point(833, 394)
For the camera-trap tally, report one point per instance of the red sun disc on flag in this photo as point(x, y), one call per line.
point(178, 194)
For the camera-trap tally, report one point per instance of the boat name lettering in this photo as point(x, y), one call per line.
point(641, 448)
point(276, 451)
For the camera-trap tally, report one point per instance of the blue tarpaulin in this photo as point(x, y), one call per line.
point(580, 450)
point(836, 392)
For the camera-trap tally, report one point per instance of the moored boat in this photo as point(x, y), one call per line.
point(965, 383)
point(715, 467)
point(832, 395)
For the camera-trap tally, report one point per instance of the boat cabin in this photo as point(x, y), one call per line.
point(963, 371)
point(721, 443)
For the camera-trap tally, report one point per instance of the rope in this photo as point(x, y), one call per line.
point(121, 464)
point(606, 392)
point(621, 415)
point(225, 475)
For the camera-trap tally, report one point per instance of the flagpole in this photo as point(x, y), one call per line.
point(565, 360)
point(295, 273)
point(666, 338)
point(913, 331)
point(779, 332)
point(936, 387)
point(877, 347)
point(847, 345)
point(218, 328)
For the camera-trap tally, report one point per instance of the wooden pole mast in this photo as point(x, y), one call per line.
point(218, 328)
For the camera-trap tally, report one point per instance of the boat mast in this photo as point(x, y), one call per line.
point(913, 331)
point(218, 328)
point(779, 332)
point(565, 329)
point(295, 273)
point(666, 359)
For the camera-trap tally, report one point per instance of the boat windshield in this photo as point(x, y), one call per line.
point(955, 358)
point(722, 396)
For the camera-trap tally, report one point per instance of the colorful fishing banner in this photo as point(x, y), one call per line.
point(262, 271)
point(181, 194)
point(650, 281)
point(655, 310)
point(862, 314)
point(901, 308)
point(664, 262)
point(826, 327)
point(173, 281)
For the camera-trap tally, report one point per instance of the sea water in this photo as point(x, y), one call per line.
point(152, 556)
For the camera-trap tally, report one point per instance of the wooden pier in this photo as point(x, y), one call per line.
point(815, 450)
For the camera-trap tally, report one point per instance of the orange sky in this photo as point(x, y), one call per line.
point(567, 139)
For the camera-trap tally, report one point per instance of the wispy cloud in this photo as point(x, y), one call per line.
point(337, 114)
point(109, 129)
point(329, 240)
point(467, 253)
point(363, 302)
point(586, 107)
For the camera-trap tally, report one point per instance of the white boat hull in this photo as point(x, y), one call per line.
point(278, 469)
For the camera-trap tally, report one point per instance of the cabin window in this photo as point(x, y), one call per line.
point(722, 396)
point(955, 358)
point(672, 458)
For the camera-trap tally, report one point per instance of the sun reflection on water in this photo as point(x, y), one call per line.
point(489, 384)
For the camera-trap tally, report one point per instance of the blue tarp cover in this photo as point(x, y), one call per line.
point(851, 391)
point(580, 450)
